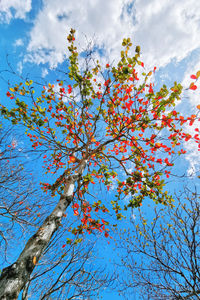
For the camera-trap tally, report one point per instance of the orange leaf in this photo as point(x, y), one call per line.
point(72, 159)
point(34, 260)
point(198, 74)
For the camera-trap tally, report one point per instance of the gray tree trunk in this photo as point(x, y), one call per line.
point(14, 277)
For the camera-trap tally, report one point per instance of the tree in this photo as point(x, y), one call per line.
point(106, 127)
point(162, 254)
point(70, 271)
point(17, 211)
point(73, 272)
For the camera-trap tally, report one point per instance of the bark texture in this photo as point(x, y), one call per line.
point(14, 277)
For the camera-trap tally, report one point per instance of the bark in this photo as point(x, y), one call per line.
point(15, 276)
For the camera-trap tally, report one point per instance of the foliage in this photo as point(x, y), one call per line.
point(129, 134)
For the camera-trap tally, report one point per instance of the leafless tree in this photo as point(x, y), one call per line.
point(161, 255)
point(17, 211)
point(73, 273)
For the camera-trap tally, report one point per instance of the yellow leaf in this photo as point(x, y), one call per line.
point(198, 106)
point(198, 74)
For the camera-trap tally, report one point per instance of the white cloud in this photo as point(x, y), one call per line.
point(165, 29)
point(104, 21)
point(18, 43)
point(44, 72)
point(19, 67)
point(13, 9)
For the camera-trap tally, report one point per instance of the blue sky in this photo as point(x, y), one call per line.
point(33, 35)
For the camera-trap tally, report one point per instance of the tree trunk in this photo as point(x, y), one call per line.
point(15, 276)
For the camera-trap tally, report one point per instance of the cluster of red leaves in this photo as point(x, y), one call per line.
point(89, 224)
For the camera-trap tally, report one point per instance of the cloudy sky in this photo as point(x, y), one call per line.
point(33, 34)
point(166, 30)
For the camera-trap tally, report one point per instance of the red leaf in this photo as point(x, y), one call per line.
point(106, 234)
point(193, 76)
point(69, 89)
point(76, 206)
point(193, 86)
